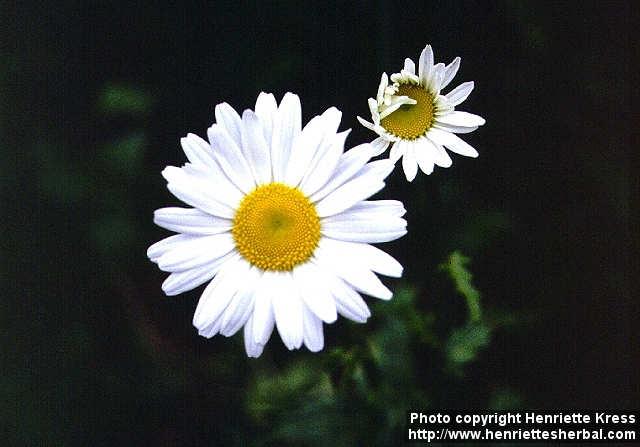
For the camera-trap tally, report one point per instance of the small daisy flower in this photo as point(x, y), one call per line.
point(419, 122)
point(280, 224)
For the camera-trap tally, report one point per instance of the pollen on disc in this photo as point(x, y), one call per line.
point(276, 227)
point(411, 121)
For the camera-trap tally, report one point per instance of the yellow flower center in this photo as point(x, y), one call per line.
point(276, 227)
point(411, 121)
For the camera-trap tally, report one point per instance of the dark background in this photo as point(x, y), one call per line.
point(95, 97)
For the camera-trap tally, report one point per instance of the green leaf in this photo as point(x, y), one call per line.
point(456, 267)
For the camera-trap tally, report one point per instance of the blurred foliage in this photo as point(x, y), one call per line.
point(115, 99)
point(367, 387)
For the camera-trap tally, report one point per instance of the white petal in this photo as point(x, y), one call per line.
point(436, 78)
point(286, 127)
point(230, 158)
point(384, 82)
point(397, 151)
point(229, 119)
point(324, 164)
point(312, 284)
point(241, 306)
point(450, 72)
point(380, 145)
point(304, 148)
point(218, 294)
point(287, 309)
point(253, 349)
point(155, 251)
point(194, 191)
point(255, 148)
point(349, 302)
point(263, 319)
point(460, 93)
point(425, 153)
point(463, 119)
point(197, 150)
point(409, 163)
point(190, 221)
point(425, 65)
point(409, 66)
point(349, 164)
point(454, 129)
point(357, 275)
point(180, 282)
point(367, 255)
point(212, 180)
point(362, 186)
point(313, 334)
point(383, 229)
point(196, 252)
point(367, 124)
point(371, 209)
point(266, 108)
point(452, 142)
point(440, 156)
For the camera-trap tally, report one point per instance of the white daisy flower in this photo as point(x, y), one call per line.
point(281, 223)
point(413, 115)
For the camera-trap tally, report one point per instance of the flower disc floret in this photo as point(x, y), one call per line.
point(411, 121)
point(276, 227)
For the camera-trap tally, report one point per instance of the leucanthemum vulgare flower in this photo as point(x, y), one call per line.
point(419, 122)
point(281, 223)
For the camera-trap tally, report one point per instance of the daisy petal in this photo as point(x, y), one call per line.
point(358, 276)
point(196, 252)
point(453, 143)
point(228, 118)
point(463, 119)
point(324, 164)
point(353, 191)
point(287, 309)
point(380, 145)
point(263, 319)
point(190, 221)
point(425, 65)
point(303, 150)
point(230, 158)
point(194, 192)
point(266, 108)
point(180, 282)
point(372, 209)
point(253, 348)
point(197, 150)
point(349, 164)
point(311, 282)
point(450, 72)
point(313, 334)
point(409, 163)
point(219, 292)
point(409, 66)
point(349, 302)
point(424, 156)
point(440, 156)
point(255, 148)
point(241, 306)
point(286, 126)
point(460, 93)
point(368, 255)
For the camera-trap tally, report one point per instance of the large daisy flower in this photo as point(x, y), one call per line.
point(281, 223)
point(413, 115)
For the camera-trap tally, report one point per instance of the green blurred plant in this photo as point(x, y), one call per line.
point(367, 386)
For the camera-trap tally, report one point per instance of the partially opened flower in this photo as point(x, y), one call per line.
point(419, 122)
point(281, 223)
